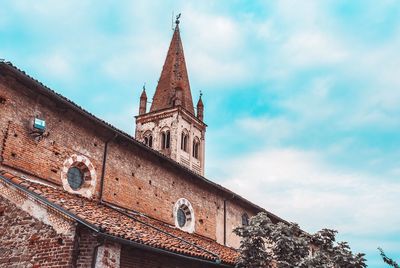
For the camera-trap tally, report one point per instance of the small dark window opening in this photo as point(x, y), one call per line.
point(148, 141)
point(168, 140)
point(165, 139)
point(75, 178)
point(184, 142)
point(181, 217)
point(196, 145)
point(245, 219)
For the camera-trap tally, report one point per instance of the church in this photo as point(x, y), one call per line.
point(77, 192)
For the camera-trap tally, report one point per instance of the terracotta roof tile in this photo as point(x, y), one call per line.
point(8, 175)
point(129, 225)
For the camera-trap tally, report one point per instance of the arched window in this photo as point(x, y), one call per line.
point(184, 141)
point(148, 139)
point(196, 148)
point(165, 139)
point(245, 219)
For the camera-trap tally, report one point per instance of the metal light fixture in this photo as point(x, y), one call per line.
point(39, 125)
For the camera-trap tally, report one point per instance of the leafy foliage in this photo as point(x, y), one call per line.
point(333, 254)
point(253, 246)
point(284, 245)
point(388, 260)
point(289, 245)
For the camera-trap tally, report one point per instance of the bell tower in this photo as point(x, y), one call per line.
point(171, 126)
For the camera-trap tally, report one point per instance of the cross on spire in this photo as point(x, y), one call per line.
point(177, 19)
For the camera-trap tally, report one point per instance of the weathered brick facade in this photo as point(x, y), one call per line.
point(28, 242)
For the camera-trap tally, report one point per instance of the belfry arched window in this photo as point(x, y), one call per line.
point(196, 148)
point(148, 139)
point(165, 139)
point(184, 141)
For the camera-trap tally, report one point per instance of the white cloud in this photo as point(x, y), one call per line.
point(266, 129)
point(132, 61)
point(57, 65)
point(215, 56)
point(299, 186)
point(305, 49)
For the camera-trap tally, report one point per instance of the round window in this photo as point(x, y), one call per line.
point(75, 178)
point(181, 217)
point(184, 215)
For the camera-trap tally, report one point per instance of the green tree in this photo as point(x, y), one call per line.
point(253, 247)
point(285, 245)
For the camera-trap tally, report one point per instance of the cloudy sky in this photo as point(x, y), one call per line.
point(302, 98)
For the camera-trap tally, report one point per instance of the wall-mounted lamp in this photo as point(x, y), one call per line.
point(39, 125)
point(38, 128)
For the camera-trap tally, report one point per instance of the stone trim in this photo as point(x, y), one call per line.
point(190, 223)
point(108, 255)
point(89, 175)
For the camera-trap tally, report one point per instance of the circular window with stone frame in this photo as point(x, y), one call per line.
point(184, 215)
point(78, 176)
point(75, 178)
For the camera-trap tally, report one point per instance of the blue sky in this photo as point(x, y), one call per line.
point(302, 98)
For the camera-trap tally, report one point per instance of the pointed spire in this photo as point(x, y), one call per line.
point(173, 88)
point(200, 108)
point(144, 95)
point(143, 101)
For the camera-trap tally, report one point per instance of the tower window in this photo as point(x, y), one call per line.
point(165, 139)
point(196, 147)
point(148, 140)
point(184, 141)
point(245, 219)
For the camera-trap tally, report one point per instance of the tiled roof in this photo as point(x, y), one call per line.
point(133, 227)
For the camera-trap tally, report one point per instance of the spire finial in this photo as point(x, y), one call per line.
point(144, 86)
point(177, 19)
point(201, 94)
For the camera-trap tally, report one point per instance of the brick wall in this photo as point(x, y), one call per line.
point(66, 132)
point(6, 113)
point(87, 243)
point(144, 259)
point(27, 242)
point(135, 181)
